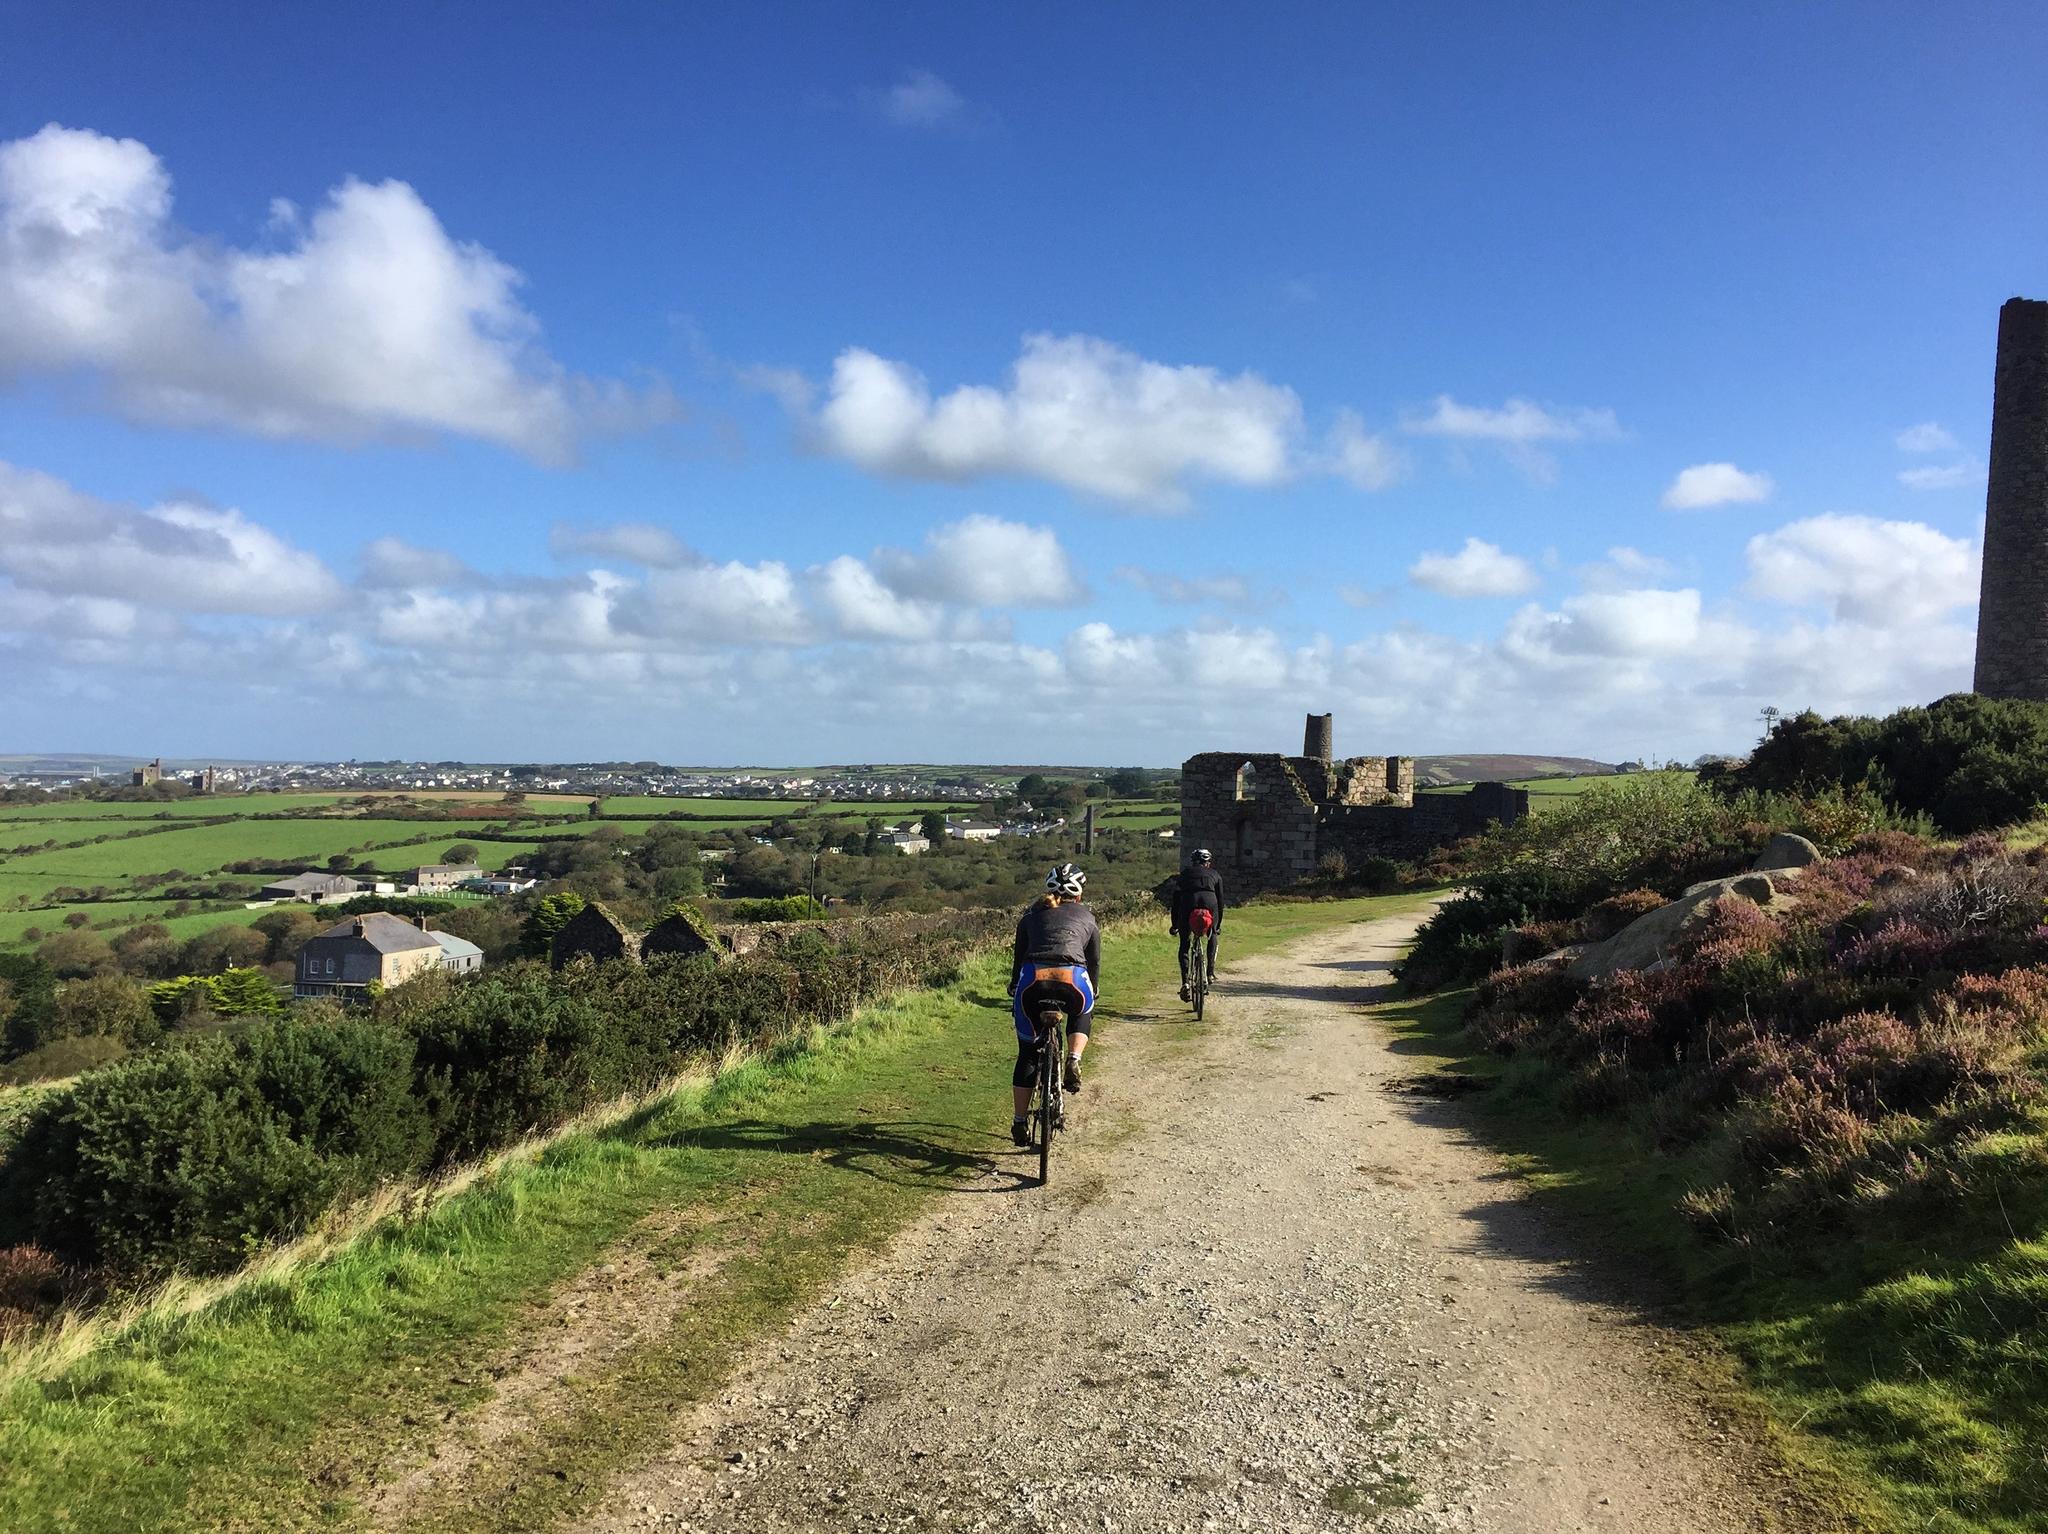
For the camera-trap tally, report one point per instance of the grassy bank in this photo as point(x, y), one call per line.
point(1910, 1378)
point(289, 1404)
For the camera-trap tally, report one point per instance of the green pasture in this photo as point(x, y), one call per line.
point(1555, 793)
point(202, 848)
point(175, 809)
point(641, 805)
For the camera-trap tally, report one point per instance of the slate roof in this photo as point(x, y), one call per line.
point(456, 947)
point(384, 932)
point(310, 883)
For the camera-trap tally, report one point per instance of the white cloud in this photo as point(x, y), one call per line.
point(1223, 590)
point(1947, 476)
point(1519, 422)
point(1715, 484)
point(635, 543)
point(920, 100)
point(392, 563)
point(179, 557)
point(1615, 625)
point(1865, 571)
point(861, 607)
point(1077, 411)
point(1352, 453)
point(1625, 567)
point(732, 603)
point(1927, 437)
point(984, 561)
point(372, 323)
point(1479, 569)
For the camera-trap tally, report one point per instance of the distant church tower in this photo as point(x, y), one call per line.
point(2012, 616)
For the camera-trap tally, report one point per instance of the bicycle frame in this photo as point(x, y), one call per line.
point(1050, 1112)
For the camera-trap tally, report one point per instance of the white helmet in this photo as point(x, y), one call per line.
point(1067, 881)
point(1203, 857)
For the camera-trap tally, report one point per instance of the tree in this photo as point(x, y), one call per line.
point(74, 955)
point(245, 993)
point(550, 914)
point(107, 1007)
point(933, 825)
point(1130, 783)
point(28, 997)
point(1033, 786)
point(223, 947)
point(460, 853)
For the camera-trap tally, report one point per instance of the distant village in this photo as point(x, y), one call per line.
point(854, 783)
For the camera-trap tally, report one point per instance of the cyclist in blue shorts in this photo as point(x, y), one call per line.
point(1058, 951)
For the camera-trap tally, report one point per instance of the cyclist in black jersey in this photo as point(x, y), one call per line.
point(1058, 952)
point(1200, 888)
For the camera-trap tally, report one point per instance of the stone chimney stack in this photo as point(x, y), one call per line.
point(1318, 741)
point(2012, 617)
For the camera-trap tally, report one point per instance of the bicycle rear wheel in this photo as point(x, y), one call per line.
point(1198, 988)
point(1048, 1100)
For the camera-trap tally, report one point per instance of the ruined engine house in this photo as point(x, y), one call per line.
point(1271, 819)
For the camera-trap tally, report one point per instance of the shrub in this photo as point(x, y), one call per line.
point(191, 1158)
point(782, 908)
point(61, 1058)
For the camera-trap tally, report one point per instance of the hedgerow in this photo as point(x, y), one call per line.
point(191, 1158)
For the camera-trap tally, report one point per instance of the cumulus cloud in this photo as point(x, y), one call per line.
point(633, 543)
point(984, 561)
point(1715, 484)
point(180, 556)
point(1927, 437)
point(1479, 569)
point(1189, 591)
point(1076, 411)
point(1947, 476)
point(1612, 625)
point(860, 606)
point(372, 322)
point(1519, 422)
point(1352, 453)
point(392, 563)
point(1863, 570)
point(920, 100)
point(1625, 566)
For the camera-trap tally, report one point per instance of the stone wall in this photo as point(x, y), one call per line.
point(1270, 820)
point(2012, 617)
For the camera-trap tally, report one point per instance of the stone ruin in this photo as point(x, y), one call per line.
point(1271, 820)
point(594, 933)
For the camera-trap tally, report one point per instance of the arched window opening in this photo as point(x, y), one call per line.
point(1248, 781)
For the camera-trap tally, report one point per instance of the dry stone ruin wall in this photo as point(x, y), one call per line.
point(1270, 820)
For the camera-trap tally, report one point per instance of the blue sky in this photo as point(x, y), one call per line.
point(1131, 377)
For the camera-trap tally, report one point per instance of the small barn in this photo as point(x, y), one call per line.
point(682, 934)
point(593, 933)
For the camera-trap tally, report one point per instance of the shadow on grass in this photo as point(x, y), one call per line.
point(909, 1154)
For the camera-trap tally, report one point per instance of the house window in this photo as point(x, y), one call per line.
point(330, 966)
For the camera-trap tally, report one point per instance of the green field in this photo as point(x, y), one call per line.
point(1553, 793)
point(202, 848)
point(176, 809)
point(643, 805)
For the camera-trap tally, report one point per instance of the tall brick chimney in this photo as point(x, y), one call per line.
point(2012, 617)
point(1319, 740)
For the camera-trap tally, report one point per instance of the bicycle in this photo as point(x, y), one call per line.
point(1200, 925)
point(1049, 1113)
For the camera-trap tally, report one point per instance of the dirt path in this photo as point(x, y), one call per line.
point(1265, 1291)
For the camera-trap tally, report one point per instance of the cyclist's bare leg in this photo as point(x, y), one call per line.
point(1020, 1101)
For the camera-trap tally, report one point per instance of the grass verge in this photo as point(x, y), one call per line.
point(1909, 1386)
point(296, 1401)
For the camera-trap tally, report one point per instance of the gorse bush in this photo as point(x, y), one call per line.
point(193, 1157)
point(1967, 762)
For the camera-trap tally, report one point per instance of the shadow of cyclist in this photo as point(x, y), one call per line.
point(909, 1154)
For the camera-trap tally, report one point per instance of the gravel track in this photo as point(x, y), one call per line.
point(1267, 1290)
